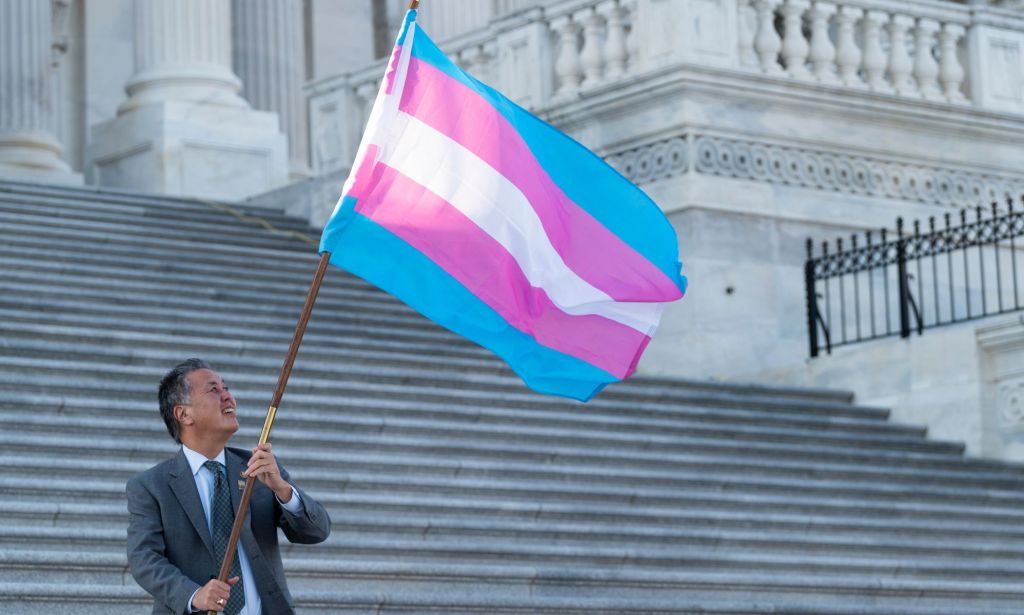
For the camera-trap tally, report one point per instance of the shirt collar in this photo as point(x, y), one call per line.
point(196, 460)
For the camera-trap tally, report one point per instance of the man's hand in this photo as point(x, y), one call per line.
point(263, 466)
point(213, 596)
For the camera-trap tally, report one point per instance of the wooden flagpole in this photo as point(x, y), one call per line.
point(268, 423)
point(282, 382)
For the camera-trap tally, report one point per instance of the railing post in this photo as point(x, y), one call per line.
point(812, 304)
point(901, 273)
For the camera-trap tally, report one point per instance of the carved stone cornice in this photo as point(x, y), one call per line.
point(814, 169)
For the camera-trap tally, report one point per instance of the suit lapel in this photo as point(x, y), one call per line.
point(183, 484)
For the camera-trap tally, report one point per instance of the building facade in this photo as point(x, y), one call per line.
point(755, 124)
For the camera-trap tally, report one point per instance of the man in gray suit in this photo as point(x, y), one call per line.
point(180, 511)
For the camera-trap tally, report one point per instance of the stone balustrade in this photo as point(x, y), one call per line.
point(543, 54)
point(908, 48)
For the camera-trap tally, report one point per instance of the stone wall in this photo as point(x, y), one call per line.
point(964, 382)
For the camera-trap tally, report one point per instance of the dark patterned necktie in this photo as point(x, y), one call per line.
point(222, 518)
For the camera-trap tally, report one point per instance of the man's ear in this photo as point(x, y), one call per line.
point(183, 416)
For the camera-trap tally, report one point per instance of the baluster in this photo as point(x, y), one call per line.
point(794, 46)
point(822, 53)
point(591, 56)
point(745, 23)
point(951, 74)
point(367, 94)
point(926, 69)
point(475, 60)
point(567, 67)
point(629, 24)
point(615, 42)
point(767, 42)
point(466, 59)
point(847, 53)
point(900, 64)
point(874, 57)
point(485, 62)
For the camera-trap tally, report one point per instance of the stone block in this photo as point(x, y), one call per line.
point(190, 149)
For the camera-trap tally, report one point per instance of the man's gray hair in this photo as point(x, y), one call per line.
point(175, 389)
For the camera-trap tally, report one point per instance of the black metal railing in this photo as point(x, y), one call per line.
point(950, 272)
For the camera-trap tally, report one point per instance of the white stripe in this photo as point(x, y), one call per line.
point(385, 107)
point(449, 170)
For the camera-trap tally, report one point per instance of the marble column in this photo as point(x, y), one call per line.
point(269, 56)
point(183, 53)
point(184, 129)
point(29, 150)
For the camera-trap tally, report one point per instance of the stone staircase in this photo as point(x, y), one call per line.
point(452, 488)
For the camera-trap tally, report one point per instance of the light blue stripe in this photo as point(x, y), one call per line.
point(410, 16)
point(590, 182)
point(370, 251)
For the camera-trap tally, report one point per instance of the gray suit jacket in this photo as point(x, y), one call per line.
point(170, 550)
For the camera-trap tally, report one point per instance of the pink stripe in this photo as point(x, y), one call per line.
point(592, 251)
point(481, 264)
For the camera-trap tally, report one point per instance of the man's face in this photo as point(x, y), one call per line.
point(212, 409)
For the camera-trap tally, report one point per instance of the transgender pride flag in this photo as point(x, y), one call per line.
point(495, 225)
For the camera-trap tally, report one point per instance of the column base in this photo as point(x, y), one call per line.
point(33, 156)
point(190, 149)
point(35, 175)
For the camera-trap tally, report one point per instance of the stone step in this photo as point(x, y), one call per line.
point(511, 441)
point(42, 246)
point(53, 414)
point(127, 318)
point(89, 197)
point(701, 492)
point(414, 527)
point(39, 598)
point(309, 379)
point(81, 235)
point(366, 431)
point(84, 281)
point(161, 351)
point(171, 220)
point(321, 466)
point(44, 377)
point(124, 345)
point(149, 440)
point(706, 553)
point(512, 582)
point(144, 306)
point(680, 471)
point(657, 417)
point(699, 392)
point(144, 207)
point(78, 269)
point(73, 515)
point(230, 232)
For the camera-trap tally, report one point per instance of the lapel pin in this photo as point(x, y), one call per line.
point(241, 485)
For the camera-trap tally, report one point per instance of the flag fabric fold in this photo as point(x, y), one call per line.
point(494, 224)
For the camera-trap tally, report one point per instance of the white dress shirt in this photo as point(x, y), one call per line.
point(204, 483)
